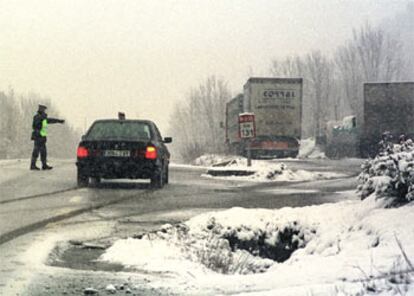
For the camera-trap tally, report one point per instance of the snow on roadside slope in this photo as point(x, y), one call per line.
point(265, 171)
point(16, 180)
point(208, 160)
point(13, 168)
point(337, 245)
point(16, 168)
point(309, 149)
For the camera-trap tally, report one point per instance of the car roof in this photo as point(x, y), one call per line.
point(124, 120)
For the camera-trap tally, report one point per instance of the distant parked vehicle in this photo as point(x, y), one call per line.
point(388, 106)
point(277, 106)
point(116, 149)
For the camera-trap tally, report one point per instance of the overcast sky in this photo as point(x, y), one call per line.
point(93, 58)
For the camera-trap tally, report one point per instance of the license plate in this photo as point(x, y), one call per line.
point(117, 153)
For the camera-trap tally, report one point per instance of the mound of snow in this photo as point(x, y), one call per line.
point(309, 149)
point(265, 171)
point(207, 160)
point(351, 240)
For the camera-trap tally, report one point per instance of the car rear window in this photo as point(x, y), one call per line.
point(119, 130)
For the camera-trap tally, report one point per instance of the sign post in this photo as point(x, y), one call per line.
point(247, 131)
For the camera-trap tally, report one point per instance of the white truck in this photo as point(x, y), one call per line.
point(277, 106)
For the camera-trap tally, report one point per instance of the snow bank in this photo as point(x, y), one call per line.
point(13, 168)
point(334, 247)
point(208, 160)
point(265, 171)
point(309, 149)
point(151, 254)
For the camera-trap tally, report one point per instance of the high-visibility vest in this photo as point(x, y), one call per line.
point(43, 130)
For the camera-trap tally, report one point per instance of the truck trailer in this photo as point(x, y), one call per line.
point(233, 109)
point(388, 107)
point(277, 106)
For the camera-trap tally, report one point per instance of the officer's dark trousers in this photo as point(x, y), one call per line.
point(39, 148)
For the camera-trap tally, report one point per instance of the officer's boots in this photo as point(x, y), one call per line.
point(33, 166)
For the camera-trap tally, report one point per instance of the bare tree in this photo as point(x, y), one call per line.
point(349, 75)
point(196, 121)
point(287, 68)
point(318, 78)
point(379, 53)
point(372, 55)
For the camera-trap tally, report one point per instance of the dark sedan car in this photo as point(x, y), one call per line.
point(115, 149)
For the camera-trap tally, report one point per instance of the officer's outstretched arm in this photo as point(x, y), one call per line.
point(54, 120)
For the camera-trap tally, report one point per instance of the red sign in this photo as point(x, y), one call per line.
point(247, 127)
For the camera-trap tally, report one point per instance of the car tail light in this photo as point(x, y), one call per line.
point(82, 152)
point(151, 152)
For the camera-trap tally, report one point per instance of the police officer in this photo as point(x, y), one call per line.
point(39, 134)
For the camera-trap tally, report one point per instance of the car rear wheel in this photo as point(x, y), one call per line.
point(166, 178)
point(82, 179)
point(157, 181)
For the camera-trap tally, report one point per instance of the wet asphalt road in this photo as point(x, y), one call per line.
point(22, 212)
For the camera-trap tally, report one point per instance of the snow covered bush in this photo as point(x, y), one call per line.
point(234, 248)
point(390, 174)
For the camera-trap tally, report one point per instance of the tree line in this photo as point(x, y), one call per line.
point(196, 121)
point(333, 87)
point(16, 118)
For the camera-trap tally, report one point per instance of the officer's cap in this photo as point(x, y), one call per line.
point(42, 107)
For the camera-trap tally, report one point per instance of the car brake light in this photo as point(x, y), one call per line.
point(82, 152)
point(151, 152)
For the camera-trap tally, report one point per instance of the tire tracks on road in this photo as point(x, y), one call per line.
point(8, 236)
point(16, 199)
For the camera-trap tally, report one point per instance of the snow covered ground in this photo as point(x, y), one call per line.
point(266, 171)
point(342, 248)
point(261, 170)
point(309, 149)
point(13, 168)
point(351, 247)
point(17, 168)
point(16, 180)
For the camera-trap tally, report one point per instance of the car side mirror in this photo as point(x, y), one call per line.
point(167, 140)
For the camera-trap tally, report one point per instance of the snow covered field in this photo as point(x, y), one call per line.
point(346, 247)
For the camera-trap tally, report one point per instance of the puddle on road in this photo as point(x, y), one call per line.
point(81, 257)
point(84, 257)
